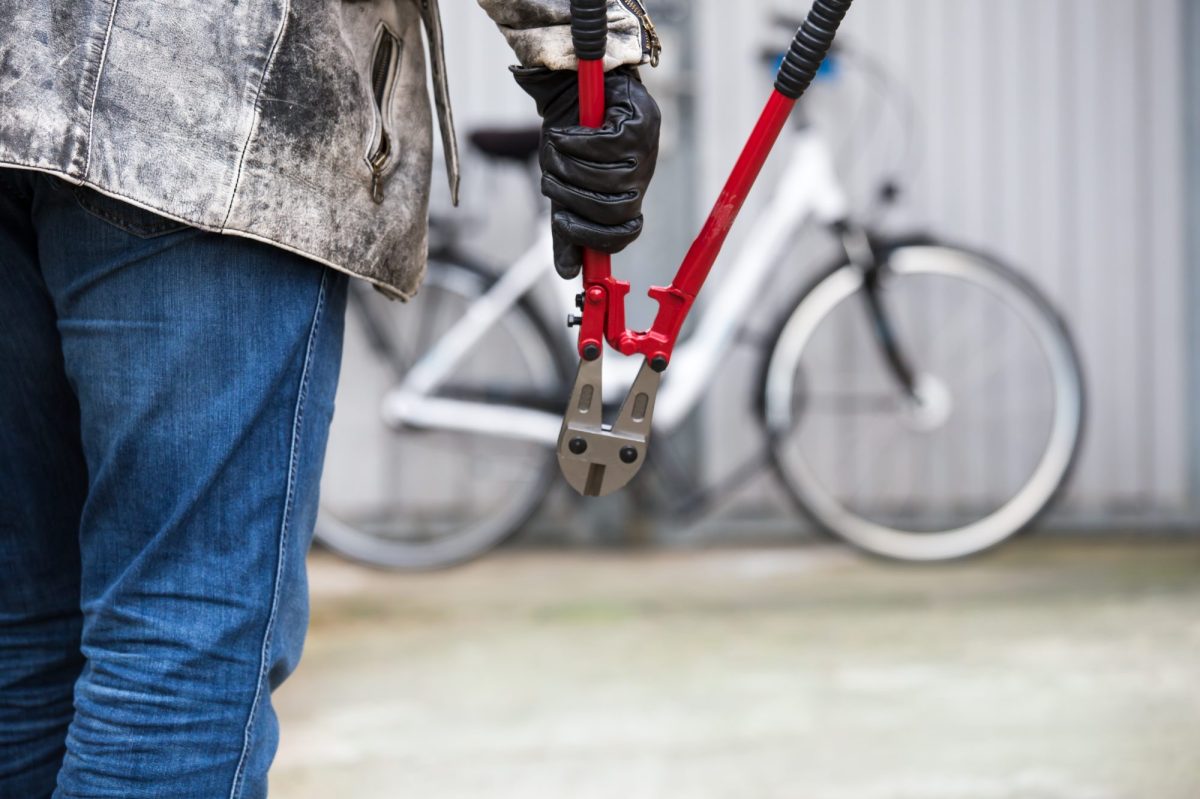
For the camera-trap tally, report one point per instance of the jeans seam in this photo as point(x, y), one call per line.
point(284, 534)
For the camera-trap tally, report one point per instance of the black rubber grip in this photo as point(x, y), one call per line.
point(589, 28)
point(810, 47)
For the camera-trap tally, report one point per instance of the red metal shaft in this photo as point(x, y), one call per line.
point(596, 265)
point(706, 248)
point(591, 94)
point(675, 302)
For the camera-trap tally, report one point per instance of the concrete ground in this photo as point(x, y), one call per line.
point(1050, 670)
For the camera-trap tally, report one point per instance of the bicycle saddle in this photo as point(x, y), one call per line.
point(507, 144)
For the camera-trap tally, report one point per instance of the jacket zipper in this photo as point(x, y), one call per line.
point(651, 43)
point(383, 73)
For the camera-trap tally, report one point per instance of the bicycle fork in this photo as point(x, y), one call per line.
point(598, 458)
point(861, 253)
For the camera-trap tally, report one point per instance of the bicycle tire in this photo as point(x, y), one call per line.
point(782, 409)
point(362, 545)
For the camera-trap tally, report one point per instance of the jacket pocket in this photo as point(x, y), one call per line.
point(385, 64)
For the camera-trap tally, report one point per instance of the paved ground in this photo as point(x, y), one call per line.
point(1049, 671)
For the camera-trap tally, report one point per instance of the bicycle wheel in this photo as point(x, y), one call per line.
point(980, 451)
point(407, 498)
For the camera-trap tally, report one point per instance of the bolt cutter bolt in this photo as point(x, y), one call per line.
point(659, 363)
point(574, 320)
point(629, 455)
point(579, 300)
point(591, 352)
point(578, 446)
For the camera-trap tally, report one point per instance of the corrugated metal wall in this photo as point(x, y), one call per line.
point(1058, 144)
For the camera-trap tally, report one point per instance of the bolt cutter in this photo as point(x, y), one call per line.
point(598, 458)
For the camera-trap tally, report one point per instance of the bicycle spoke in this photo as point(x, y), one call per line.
point(881, 457)
point(379, 333)
point(425, 324)
point(945, 337)
point(983, 369)
point(873, 404)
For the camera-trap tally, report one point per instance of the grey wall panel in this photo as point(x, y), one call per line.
point(1191, 84)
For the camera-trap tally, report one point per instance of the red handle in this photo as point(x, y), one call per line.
point(597, 266)
point(589, 34)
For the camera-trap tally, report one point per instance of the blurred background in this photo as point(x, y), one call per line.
point(620, 648)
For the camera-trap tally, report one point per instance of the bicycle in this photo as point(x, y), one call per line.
point(860, 397)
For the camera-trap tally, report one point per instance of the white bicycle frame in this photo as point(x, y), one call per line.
point(809, 189)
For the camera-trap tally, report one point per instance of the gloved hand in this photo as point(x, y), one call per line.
point(595, 179)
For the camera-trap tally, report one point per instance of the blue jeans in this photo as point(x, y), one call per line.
point(165, 398)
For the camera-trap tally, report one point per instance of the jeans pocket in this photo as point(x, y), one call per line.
point(129, 218)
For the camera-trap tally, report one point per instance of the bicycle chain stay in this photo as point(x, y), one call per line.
point(595, 458)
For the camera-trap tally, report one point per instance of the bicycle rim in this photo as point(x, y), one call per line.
point(981, 452)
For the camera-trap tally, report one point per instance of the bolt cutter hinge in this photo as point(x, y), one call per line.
point(603, 320)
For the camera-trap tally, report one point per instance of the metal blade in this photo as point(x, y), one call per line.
point(597, 459)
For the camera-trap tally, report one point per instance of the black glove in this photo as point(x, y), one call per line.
point(595, 179)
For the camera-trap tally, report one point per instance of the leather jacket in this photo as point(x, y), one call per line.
point(305, 124)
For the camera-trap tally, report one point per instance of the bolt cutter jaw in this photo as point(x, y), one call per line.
point(597, 458)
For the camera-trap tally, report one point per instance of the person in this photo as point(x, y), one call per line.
point(185, 190)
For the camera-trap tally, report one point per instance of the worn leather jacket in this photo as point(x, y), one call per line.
point(305, 124)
